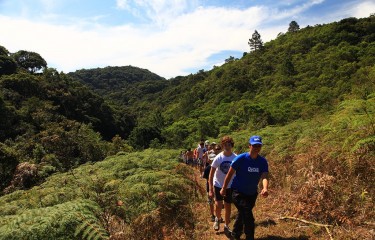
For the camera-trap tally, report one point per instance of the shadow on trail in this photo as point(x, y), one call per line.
point(283, 238)
point(265, 223)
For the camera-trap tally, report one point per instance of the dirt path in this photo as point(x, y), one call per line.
point(268, 225)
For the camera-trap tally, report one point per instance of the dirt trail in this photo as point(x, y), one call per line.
point(268, 226)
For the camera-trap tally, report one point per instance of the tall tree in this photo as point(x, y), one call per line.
point(4, 51)
point(7, 65)
point(255, 42)
point(30, 61)
point(293, 26)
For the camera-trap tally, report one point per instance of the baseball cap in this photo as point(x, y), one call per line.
point(255, 140)
point(206, 142)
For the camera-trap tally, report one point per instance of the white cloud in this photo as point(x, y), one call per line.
point(363, 9)
point(122, 4)
point(295, 11)
point(160, 12)
point(48, 4)
point(184, 43)
point(179, 38)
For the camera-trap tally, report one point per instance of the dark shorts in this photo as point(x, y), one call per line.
point(227, 198)
point(200, 162)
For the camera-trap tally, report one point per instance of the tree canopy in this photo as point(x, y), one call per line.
point(293, 26)
point(30, 61)
point(255, 42)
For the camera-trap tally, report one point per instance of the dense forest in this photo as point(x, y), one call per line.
point(310, 93)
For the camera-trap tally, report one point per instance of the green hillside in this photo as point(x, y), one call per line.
point(299, 75)
point(102, 199)
point(126, 84)
point(309, 93)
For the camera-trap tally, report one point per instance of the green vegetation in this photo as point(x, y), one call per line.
point(310, 93)
point(51, 120)
point(299, 75)
point(125, 85)
point(90, 201)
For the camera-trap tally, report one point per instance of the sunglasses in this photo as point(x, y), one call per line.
point(257, 145)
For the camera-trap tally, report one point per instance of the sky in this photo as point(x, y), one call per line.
point(170, 38)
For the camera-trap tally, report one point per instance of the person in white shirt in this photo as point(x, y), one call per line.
point(219, 169)
point(200, 152)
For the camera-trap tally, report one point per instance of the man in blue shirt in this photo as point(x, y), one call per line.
point(249, 168)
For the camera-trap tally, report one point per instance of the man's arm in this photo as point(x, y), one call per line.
point(227, 179)
point(264, 178)
point(211, 181)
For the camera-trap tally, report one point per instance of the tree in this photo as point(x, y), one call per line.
point(287, 67)
point(4, 51)
point(293, 26)
point(255, 42)
point(230, 59)
point(30, 61)
point(7, 64)
point(8, 164)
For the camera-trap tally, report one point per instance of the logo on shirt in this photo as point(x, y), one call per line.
point(224, 166)
point(250, 169)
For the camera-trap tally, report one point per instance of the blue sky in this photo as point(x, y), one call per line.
point(170, 38)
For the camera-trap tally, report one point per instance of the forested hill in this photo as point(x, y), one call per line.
point(301, 74)
point(310, 93)
point(124, 84)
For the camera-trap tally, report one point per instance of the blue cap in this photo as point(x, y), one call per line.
point(255, 140)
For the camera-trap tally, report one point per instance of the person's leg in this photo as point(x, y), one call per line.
point(228, 205)
point(239, 221)
point(249, 220)
point(218, 207)
point(212, 209)
point(210, 201)
point(201, 168)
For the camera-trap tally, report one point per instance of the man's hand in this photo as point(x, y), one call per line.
point(264, 192)
point(223, 192)
point(211, 194)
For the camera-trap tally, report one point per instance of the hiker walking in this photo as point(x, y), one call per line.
point(199, 155)
point(249, 168)
point(219, 169)
point(206, 174)
point(189, 155)
point(210, 153)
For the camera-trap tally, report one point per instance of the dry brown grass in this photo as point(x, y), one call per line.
point(304, 193)
point(283, 202)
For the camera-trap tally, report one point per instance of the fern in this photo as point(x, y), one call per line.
point(90, 227)
point(57, 222)
point(56, 210)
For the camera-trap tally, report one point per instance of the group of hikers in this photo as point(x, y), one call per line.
point(231, 178)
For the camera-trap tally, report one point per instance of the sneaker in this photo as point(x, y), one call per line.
point(227, 232)
point(213, 218)
point(217, 224)
point(233, 237)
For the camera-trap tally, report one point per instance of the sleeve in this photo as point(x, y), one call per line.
point(265, 166)
point(215, 163)
point(236, 162)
